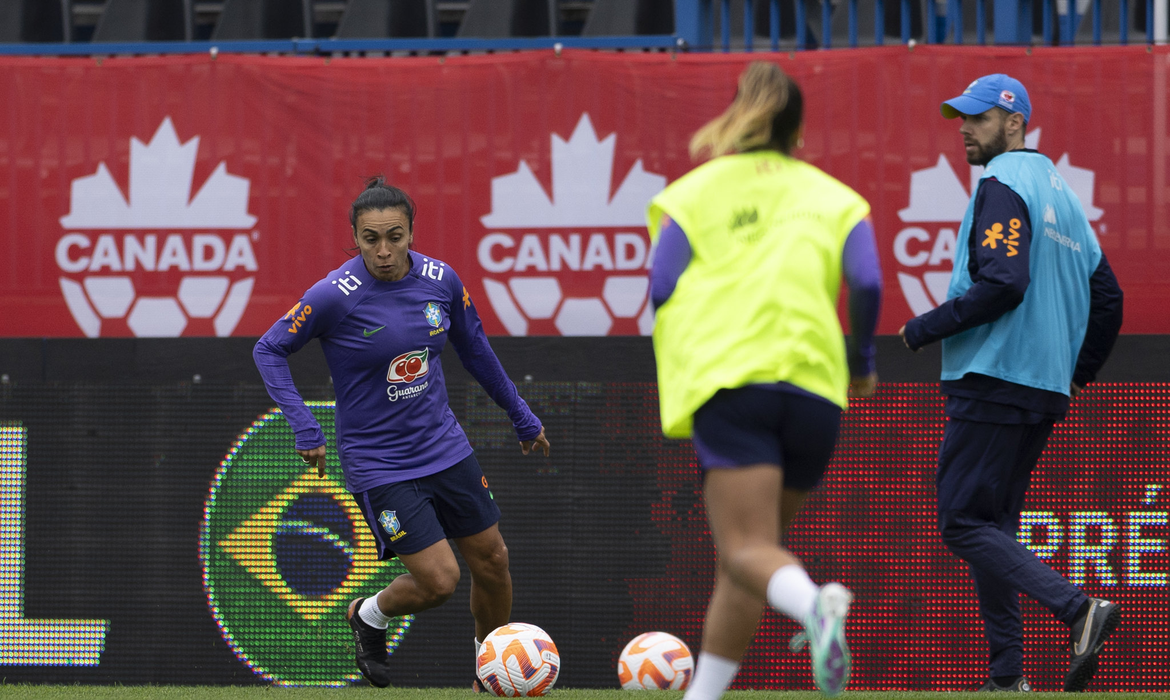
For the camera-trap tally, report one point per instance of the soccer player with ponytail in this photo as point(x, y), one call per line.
point(752, 361)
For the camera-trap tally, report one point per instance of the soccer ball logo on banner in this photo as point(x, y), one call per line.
point(160, 261)
point(575, 263)
point(937, 196)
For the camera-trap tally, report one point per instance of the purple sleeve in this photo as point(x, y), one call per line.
point(863, 273)
point(671, 257)
point(289, 334)
point(476, 354)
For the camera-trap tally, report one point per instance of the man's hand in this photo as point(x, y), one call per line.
point(540, 442)
point(315, 458)
point(863, 387)
point(1074, 389)
point(902, 335)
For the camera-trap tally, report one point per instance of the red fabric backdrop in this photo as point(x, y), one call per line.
point(221, 235)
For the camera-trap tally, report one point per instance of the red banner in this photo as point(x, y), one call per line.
point(201, 196)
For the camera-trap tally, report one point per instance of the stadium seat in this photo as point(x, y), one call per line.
point(1110, 22)
point(626, 17)
point(839, 24)
point(34, 20)
point(495, 19)
point(145, 20)
point(264, 19)
point(376, 19)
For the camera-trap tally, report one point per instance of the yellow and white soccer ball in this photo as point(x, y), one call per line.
point(518, 660)
point(655, 661)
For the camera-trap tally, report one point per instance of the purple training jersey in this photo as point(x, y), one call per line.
point(382, 341)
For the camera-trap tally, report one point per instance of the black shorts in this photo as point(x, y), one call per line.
point(409, 516)
point(766, 425)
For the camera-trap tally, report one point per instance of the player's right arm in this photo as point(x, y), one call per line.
point(1000, 274)
point(309, 319)
point(861, 268)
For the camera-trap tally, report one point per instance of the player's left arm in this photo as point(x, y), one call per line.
point(471, 344)
point(999, 242)
point(1105, 317)
point(672, 255)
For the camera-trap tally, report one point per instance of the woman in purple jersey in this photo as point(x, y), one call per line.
point(382, 322)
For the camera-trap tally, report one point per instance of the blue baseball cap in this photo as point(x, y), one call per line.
point(995, 90)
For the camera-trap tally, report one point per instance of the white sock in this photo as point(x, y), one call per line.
point(792, 592)
point(712, 676)
point(372, 614)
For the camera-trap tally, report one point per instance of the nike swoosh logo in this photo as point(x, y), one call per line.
point(369, 333)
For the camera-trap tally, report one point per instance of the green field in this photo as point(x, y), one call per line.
point(118, 692)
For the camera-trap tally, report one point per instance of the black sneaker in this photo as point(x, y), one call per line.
point(1020, 686)
point(369, 647)
point(1088, 638)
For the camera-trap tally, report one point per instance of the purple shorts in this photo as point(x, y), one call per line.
point(409, 516)
point(768, 424)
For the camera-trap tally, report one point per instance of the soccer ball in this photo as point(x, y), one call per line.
point(655, 661)
point(518, 660)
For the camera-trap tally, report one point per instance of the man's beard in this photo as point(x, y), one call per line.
point(985, 152)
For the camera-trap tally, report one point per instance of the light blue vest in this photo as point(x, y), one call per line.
point(1037, 343)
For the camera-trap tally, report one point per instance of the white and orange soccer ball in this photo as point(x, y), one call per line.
point(655, 661)
point(518, 660)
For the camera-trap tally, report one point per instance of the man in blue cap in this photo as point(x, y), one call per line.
point(1032, 312)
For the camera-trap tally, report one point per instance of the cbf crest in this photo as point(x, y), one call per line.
point(389, 521)
point(433, 314)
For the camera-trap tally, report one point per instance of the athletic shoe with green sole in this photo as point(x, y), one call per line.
point(824, 632)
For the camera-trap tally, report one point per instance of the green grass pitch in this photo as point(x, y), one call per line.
point(90, 692)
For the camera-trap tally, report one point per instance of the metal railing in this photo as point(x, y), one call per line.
point(814, 26)
point(941, 20)
point(330, 47)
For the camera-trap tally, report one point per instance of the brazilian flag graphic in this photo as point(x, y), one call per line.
point(284, 552)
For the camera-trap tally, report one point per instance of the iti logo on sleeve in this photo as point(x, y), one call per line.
point(544, 255)
point(158, 262)
point(925, 250)
point(283, 554)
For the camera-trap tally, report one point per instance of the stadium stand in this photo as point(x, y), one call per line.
point(34, 20)
point(618, 17)
point(145, 20)
point(607, 24)
point(264, 19)
point(369, 19)
point(491, 19)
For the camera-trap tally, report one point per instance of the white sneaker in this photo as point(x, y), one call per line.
point(824, 632)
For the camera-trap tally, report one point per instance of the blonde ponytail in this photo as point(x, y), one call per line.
point(747, 122)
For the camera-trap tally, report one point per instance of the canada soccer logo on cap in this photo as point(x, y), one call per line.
point(1007, 97)
point(575, 263)
point(925, 250)
point(158, 262)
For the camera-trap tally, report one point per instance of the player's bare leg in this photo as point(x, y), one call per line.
point(743, 509)
point(432, 578)
point(434, 573)
point(491, 583)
